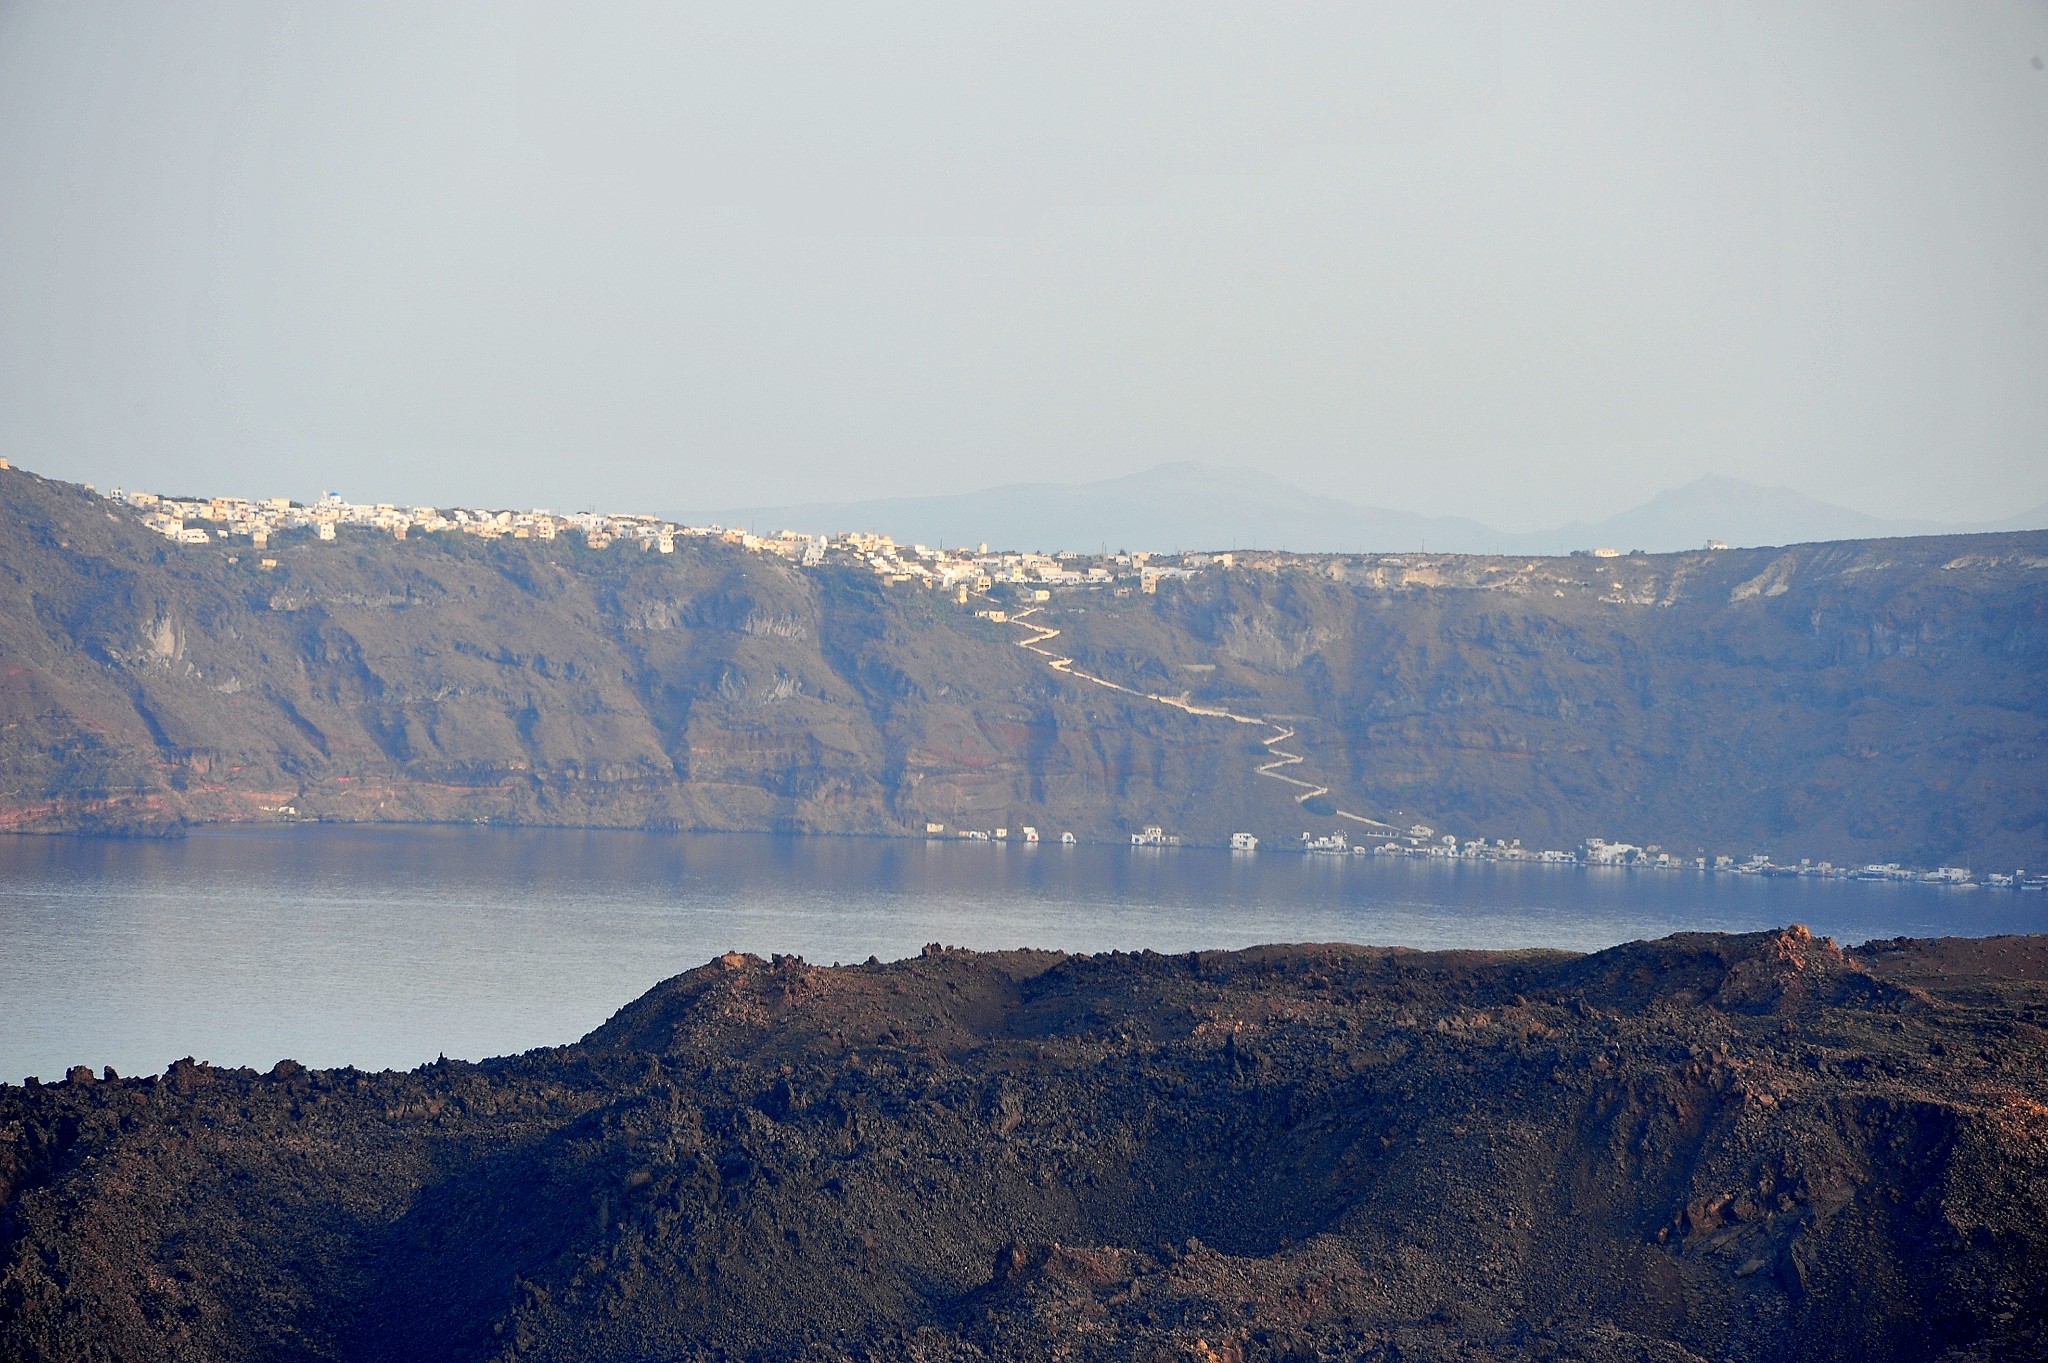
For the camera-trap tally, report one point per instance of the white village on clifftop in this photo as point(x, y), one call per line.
point(959, 571)
point(966, 576)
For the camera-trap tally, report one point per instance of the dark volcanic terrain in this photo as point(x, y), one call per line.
point(1873, 701)
point(1703, 1147)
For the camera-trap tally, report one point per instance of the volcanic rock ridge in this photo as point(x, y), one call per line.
point(1704, 1147)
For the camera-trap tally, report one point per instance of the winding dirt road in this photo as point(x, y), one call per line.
point(1281, 757)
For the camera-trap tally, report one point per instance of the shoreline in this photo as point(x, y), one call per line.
point(173, 830)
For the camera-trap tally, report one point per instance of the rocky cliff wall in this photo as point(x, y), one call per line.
point(1883, 700)
point(1869, 701)
point(145, 683)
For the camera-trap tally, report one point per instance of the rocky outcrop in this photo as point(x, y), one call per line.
point(1704, 1147)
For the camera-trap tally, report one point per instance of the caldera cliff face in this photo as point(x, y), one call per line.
point(1861, 702)
point(1709, 1146)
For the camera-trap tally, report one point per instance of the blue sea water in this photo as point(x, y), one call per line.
point(389, 946)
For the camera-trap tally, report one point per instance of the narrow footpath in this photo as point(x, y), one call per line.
point(1281, 757)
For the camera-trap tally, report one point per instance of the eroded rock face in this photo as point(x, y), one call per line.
point(144, 686)
point(1877, 701)
point(1715, 1147)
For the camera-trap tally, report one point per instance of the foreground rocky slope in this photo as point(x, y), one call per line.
point(1860, 702)
point(1703, 1147)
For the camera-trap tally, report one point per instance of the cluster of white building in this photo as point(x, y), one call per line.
point(1025, 834)
point(959, 572)
point(192, 521)
point(963, 573)
point(1599, 852)
point(1422, 841)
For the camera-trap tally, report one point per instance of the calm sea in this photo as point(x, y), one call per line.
point(387, 947)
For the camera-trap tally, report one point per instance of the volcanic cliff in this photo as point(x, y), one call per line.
point(1873, 701)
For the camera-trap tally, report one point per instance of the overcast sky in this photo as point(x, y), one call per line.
point(1516, 262)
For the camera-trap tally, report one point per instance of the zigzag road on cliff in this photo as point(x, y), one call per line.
point(1281, 732)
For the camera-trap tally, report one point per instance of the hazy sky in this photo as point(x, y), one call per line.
point(1519, 262)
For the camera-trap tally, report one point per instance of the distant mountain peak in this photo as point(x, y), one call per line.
point(1188, 504)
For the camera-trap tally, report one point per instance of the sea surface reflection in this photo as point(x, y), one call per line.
point(388, 946)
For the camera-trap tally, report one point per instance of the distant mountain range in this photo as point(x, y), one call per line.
point(1196, 506)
